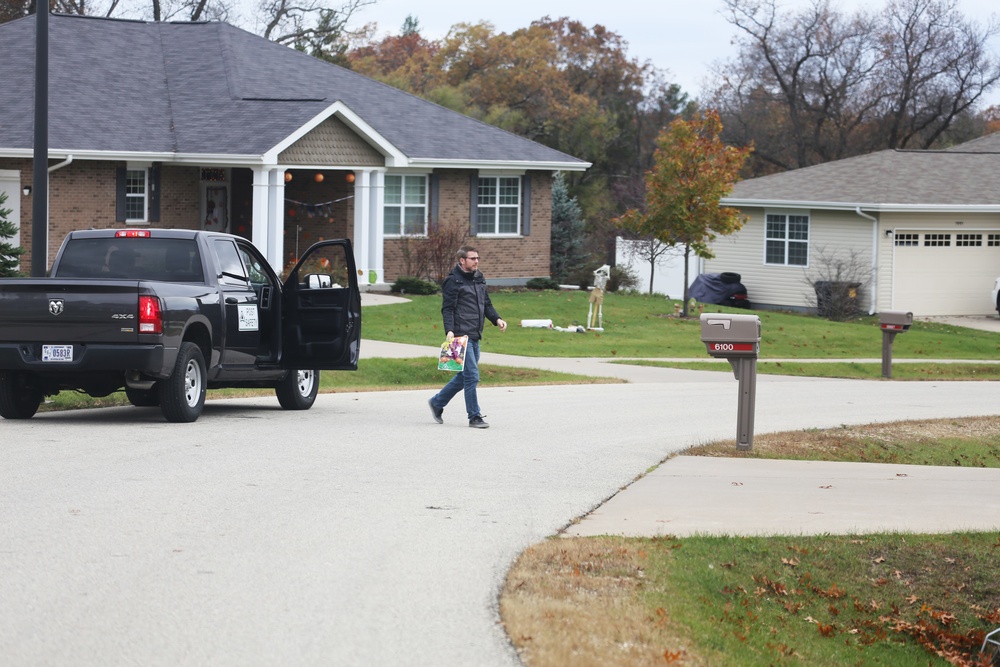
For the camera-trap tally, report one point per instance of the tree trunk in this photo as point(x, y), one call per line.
point(652, 270)
point(687, 253)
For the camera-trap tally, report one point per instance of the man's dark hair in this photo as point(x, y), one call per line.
point(464, 251)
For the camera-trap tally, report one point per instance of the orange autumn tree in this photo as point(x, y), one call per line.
point(692, 170)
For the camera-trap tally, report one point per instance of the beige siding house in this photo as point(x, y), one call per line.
point(920, 228)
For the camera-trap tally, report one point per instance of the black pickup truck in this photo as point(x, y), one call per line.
point(167, 313)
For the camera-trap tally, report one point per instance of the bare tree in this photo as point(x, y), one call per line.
point(311, 25)
point(937, 65)
point(319, 27)
point(819, 85)
point(649, 250)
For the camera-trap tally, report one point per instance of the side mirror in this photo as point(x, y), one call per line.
point(319, 281)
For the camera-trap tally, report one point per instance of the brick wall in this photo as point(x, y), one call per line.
point(82, 196)
point(507, 259)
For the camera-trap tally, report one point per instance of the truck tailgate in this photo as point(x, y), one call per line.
point(69, 311)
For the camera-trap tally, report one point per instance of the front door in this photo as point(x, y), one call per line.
point(321, 308)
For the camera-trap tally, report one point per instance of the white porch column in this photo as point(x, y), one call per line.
point(275, 251)
point(261, 211)
point(362, 223)
point(376, 228)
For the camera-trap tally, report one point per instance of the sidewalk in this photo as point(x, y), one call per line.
point(728, 496)
point(707, 495)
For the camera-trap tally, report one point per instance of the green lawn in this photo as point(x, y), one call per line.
point(847, 369)
point(645, 326)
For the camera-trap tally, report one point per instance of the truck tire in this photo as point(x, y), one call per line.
point(298, 390)
point(182, 395)
point(143, 398)
point(19, 398)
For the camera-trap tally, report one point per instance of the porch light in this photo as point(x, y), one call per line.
point(27, 190)
point(288, 177)
point(318, 177)
point(350, 177)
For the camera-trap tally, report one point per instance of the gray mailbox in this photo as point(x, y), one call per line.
point(892, 322)
point(895, 320)
point(730, 335)
point(737, 339)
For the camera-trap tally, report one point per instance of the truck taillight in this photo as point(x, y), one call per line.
point(132, 234)
point(150, 320)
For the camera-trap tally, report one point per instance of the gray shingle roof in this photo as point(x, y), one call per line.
point(907, 179)
point(213, 89)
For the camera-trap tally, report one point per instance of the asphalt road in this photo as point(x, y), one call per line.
point(357, 533)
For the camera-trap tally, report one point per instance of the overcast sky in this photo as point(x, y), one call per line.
point(682, 36)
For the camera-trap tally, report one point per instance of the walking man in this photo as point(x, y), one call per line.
point(465, 307)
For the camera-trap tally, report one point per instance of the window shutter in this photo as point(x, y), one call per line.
point(526, 206)
point(120, 194)
point(435, 195)
point(473, 201)
point(154, 192)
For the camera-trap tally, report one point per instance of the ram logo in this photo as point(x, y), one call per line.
point(56, 306)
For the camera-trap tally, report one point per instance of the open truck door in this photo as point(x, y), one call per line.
point(321, 310)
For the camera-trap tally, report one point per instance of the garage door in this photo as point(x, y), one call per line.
point(944, 272)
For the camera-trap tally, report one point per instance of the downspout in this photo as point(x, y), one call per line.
point(64, 163)
point(871, 292)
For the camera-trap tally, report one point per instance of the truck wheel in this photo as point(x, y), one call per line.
point(143, 398)
point(19, 398)
point(182, 395)
point(298, 390)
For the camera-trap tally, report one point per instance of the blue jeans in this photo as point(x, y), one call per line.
point(467, 380)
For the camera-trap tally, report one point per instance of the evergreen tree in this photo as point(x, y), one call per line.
point(567, 254)
point(8, 253)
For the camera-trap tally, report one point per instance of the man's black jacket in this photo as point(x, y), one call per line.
point(465, 303)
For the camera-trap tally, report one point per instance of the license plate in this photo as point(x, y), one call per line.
point(57, 353)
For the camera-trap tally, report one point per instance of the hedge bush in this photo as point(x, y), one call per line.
point(410, 285)
point(542, 283)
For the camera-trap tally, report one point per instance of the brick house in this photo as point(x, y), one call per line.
point(204, 125)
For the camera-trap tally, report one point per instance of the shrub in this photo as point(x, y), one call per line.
point(542, 283)
point(410, 285)
point(621, 278)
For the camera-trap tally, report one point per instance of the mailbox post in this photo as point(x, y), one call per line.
point(736, 338)
point(892, 322)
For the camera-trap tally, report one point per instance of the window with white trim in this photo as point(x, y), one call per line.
point(786, 239)
point(906, 239)
point(405, 208)
point(498, 208)
point(136, 194)
point(992, 240)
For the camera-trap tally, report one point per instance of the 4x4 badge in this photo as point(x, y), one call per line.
point(56, 306)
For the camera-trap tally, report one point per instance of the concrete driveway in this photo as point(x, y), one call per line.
point(357, 533)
